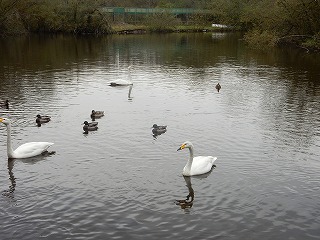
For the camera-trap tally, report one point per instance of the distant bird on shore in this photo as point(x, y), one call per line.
point(218, 87)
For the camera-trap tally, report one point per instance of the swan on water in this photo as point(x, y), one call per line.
point(196, 165)
point(122, 82)
point(26, 150)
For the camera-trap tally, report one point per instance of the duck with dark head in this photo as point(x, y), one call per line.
point(218, 87)
point(93, 126)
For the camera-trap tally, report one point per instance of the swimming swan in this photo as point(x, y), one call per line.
point(122, 82)
point(26, 150)
point(196, 165)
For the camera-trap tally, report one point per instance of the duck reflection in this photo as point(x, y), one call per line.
point(188, 202)
point(10, 192)
point(6, 104)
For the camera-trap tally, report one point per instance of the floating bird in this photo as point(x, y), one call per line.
point(92, 124)
point(196, 165)
point(157, 130)
point(218, 87)
point(96, 114)
point(42, 119)
point(122, 82)
point(87, 127)
point(26, 150)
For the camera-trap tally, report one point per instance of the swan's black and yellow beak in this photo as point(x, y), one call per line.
point(1, 119)
point(181, 147)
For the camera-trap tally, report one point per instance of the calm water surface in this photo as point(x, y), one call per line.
point(121, 182)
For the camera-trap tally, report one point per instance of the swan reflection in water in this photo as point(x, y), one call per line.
point(33, 160)
point(188, 202)
point(10, 192)
point(129, 93)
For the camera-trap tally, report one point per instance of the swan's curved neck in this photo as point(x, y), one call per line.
point(9, 144)
point(189, 163)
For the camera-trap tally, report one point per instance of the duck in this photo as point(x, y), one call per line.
point(87, 127)
point(157, 130)
point(196, 165)
point(96, 114)
point(122, 82)
point(27, 150)
point(218, 87)
point(42, 119)
point(92, 124)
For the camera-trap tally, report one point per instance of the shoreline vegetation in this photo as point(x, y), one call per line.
point(265, 23)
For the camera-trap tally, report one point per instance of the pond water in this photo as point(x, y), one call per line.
point(121, 182)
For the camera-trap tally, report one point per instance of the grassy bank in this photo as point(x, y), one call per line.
point(125, 28)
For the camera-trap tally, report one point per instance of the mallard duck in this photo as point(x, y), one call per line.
point(87, 127)
point(96, 114)
point(196, 165)
point(157, 130)
point(122, 82)
point(26, 150)
point(92, 124)
point(42, 119)
point(218, 87)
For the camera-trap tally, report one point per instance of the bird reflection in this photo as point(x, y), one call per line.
point(129, 93)
point(10, 192)
point(188, 202)
point(6, 104)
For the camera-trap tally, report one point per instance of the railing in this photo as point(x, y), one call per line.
point(120, 10)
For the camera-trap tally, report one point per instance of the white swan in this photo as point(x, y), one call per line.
point(26, 150)
point(122, 82)
point(196, 165)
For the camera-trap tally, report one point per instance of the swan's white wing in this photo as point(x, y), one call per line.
point(202, 164)
point(120, 82)
point(31, 149)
